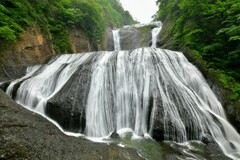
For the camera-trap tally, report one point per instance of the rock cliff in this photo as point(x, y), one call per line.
point(33, 47)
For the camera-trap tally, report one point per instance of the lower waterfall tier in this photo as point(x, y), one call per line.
point(154, 92)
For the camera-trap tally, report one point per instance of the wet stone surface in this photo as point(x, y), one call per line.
point(27, 135)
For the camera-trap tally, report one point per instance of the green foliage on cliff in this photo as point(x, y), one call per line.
point(55, 17)
point(114, 13)
point(211, 28)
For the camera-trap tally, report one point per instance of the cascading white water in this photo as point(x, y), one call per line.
point(116, 40)
point(130, 89)
point(159, 73)
point(136, 36)
point(155, 33)
point(43, 82)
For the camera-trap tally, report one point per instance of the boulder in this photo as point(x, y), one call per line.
point(27, 135)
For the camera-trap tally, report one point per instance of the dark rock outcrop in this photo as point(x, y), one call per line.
point(136, 37)
point(107, 44)
point(158, 126)
point(26, 135)
point(67, 107)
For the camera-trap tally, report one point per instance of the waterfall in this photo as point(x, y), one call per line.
point(42, 82)
point(150, 91)
point(155, 33)
point(116, 40)
point(138, 90)
point(136, 36)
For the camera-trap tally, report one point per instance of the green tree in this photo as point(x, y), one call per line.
point(209, 27)
point(55, 17)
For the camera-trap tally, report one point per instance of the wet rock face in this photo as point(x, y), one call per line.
point(12, 68)
point(206, 139)
point(4, 85)
point(158, 126)
point(231, 108)
point(217, 91)
point(107, 44)
point(67, 107)
point(233, 114)
point(25, 135)
point(132, 38)
point(79, 42)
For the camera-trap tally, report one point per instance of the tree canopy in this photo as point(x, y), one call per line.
point(55, 16)
point(209, 27)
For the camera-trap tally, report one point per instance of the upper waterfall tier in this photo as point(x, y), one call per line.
point(152, 91)
point(137, 36)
